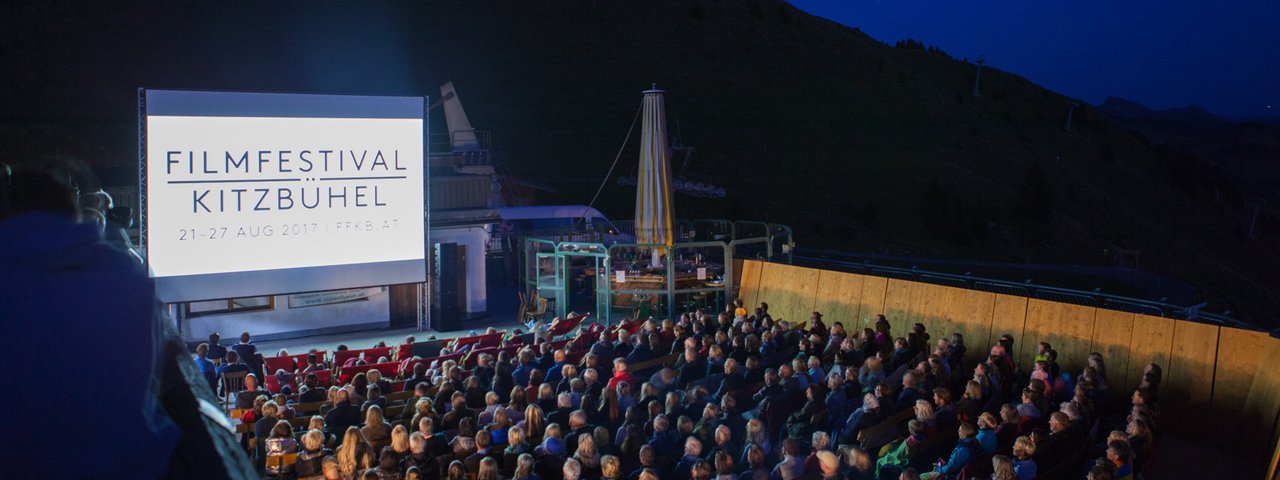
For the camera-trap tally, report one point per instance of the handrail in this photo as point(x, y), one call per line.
point(1032, 290)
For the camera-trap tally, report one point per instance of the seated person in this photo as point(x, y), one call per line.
point(311, 391)
point(232, 364)
point(244, 398)
point(280, 442)
point(247, 351)
point(342, 415)
point(206, 366)
point(313, 452)
point(375, 398)
point(217, 352)
point(966, 448)
point(899, 456)
point(1028, 408)
point(313, 363)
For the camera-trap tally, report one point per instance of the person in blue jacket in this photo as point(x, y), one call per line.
point(965, 450)
point(987, 432)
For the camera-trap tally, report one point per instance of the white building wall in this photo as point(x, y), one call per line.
point(285, 322)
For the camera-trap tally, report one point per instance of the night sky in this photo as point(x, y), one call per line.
point(1223, 56)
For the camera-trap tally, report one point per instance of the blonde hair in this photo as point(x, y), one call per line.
point(987, 420)
point(354, 453)
point(924, 411)
point(330, 464)
point(1025, 445)
point(610, 466)
point(270, 409)
point(755, 432)
point(515, 436)
point(552, 430)
point(313, 439)
point(373, 416)
point(534, 423)
point(400, 439)
point(1003, 467)
point(587, 453)
point(488, 469)
point(316, 423)
point(524, 465)
point(973, 390)
point(501, 419)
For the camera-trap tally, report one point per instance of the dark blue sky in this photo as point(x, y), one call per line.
point(1223, 56)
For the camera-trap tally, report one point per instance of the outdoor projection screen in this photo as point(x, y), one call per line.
point(247, 194)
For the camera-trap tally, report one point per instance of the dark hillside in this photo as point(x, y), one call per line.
point(856, 144)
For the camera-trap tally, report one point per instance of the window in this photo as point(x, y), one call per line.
point(230, 305)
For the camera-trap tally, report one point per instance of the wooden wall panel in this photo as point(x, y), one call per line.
point(839, 295)
point(1068, 328)
point(969, 313)
point(789, 290)
point(737, 272)
point(873, 293)
point(1112, 335)
point(1010, 318)
point(1152, 341)
point(929, 308)
point(1188, 388)
point(749, 289)
point(1234, 374)
point(1241, 356)
point(897, 304)
point(1263, 403)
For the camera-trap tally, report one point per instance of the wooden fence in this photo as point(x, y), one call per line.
point(1221, 383)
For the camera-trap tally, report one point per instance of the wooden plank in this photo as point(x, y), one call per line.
point(897, 304)
point(941, 302)
point(1188, 388)
point(838, 297)
point(1152, 341)
point(872, 302)
point(737, 271)
point(1112, 335)
point(749, 289)
point(1263, 403)
point(1068, 328)
point(1009, 318)
point(970, 312)
point(1241, 355)
point(790, 291)
point(929, 308)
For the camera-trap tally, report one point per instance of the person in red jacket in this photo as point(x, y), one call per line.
point(621, 374)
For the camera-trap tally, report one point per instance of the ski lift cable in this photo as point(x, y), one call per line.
point(615, 162)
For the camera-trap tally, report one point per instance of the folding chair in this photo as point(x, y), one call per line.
point(280, 461)
point(539, 311)
point(232, 383)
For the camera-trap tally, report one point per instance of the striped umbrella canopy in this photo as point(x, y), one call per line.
point(653, 190)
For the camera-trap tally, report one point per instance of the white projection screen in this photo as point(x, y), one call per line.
point(247, 194)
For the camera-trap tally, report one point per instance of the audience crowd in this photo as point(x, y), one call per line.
point(727, 396)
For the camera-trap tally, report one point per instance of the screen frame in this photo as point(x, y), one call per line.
point(272, 281)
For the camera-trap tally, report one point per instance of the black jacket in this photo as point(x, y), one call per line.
point(340, 417)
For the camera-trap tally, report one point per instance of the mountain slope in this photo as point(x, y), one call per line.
point(854, 143)
point(1247, 152)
